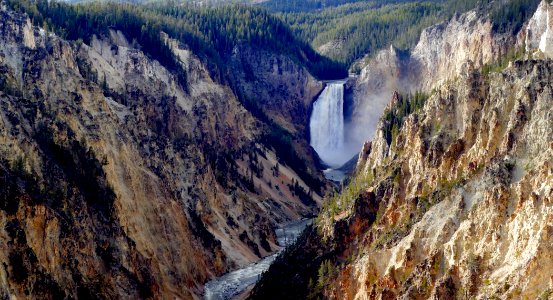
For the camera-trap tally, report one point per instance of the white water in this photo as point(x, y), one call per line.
point(233, 283)
point(327, 124)
point(335, 175)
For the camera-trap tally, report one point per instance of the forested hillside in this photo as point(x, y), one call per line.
point(210, 32)
point(344, 30)
point(349, 30)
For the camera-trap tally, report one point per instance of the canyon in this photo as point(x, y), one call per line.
point(120, 181)
point(455, 204)
point(131, 173)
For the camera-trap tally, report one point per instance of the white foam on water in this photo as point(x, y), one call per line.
point(233, 283)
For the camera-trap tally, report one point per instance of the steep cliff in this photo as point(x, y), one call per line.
point(464, 193)
point(119, 180)
point(456, 204)
point(280, 92)
point(539, 34)
point(439, 56)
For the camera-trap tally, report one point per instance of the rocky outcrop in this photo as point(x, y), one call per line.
point(279, 87)
point(456, 204)
point(539, 32)
point(471, 192)
point(442, 53)
point(121, 180)
point(444, 49)
point(332, 48)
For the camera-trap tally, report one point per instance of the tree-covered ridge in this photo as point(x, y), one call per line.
point(361, 28)
point(289, 6)
point(226, 26)
point(510, 16)
point(210, 32)
point(314, 5)
point(366, 32)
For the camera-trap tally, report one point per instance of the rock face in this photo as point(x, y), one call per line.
point(282, 89)
point(117, 181)
point(458, 204)
point(467, 204)
point(279, 92)
point(441, 54)
point(332, 48)
point(539, 32)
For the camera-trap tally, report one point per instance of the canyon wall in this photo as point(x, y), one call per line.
point(464, 194)
point(120, 179)
point(440, 55)
point(539, 34)
point(456, 204)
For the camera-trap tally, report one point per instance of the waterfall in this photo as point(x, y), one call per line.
point(327, 124)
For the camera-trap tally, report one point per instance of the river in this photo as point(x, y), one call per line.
point(234, 283)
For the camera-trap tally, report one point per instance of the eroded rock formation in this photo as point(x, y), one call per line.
point(457, 203)
point(120, 179)
point(440, 55)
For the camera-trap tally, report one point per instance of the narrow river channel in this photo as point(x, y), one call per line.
point(234, 283)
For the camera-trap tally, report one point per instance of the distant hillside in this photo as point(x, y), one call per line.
point(211, 32)
point(347, 31)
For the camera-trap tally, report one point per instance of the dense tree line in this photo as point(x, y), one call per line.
point(210, 32)
point(314, 5)
point(303, 5)
point(510, 16)
point(360, 28)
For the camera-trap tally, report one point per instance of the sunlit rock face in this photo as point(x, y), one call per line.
point(442, 53)
point(539, 32)
point(118, 181)
point(469, 211)
point(459, 204)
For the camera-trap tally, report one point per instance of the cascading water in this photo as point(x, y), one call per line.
point(327, 125)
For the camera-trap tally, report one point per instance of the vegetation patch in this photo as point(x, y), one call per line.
point(212, 33)
point(395, 116)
